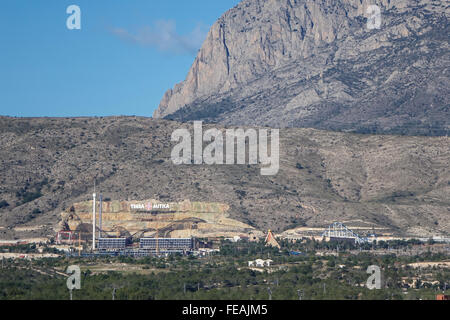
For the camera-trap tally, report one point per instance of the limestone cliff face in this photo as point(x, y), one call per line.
point(250, 39)
point(264, 44)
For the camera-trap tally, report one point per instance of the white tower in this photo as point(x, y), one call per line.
point(100, 211)
point(93, 222)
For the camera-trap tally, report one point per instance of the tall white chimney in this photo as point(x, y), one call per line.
point(100, 211)
point(93, 222)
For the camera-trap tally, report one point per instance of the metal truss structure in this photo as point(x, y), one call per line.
point(338, 230)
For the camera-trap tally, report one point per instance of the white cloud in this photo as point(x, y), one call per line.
point(163, 36)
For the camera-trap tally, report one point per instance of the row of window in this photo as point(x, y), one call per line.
point(148, 243)
point(166, 243)
point(112, 243)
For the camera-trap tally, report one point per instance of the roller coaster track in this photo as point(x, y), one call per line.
point(338, 230)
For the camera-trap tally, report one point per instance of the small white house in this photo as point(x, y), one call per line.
point(259, 263)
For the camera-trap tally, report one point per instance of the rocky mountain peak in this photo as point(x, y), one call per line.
point(294, 63)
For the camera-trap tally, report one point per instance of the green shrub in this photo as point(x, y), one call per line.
point(3, 204)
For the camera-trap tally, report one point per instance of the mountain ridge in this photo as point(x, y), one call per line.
point(397, 182)
point(314, 64)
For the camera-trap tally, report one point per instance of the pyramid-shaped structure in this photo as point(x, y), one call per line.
point(271, 241)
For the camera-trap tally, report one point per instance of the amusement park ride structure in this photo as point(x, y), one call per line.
point(339, 231)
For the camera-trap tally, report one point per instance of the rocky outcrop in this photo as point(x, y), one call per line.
point(299, 63)
point(180, 219)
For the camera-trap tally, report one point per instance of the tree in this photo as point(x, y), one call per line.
point(3, 204)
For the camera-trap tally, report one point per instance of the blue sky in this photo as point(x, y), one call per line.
point(126, 55)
